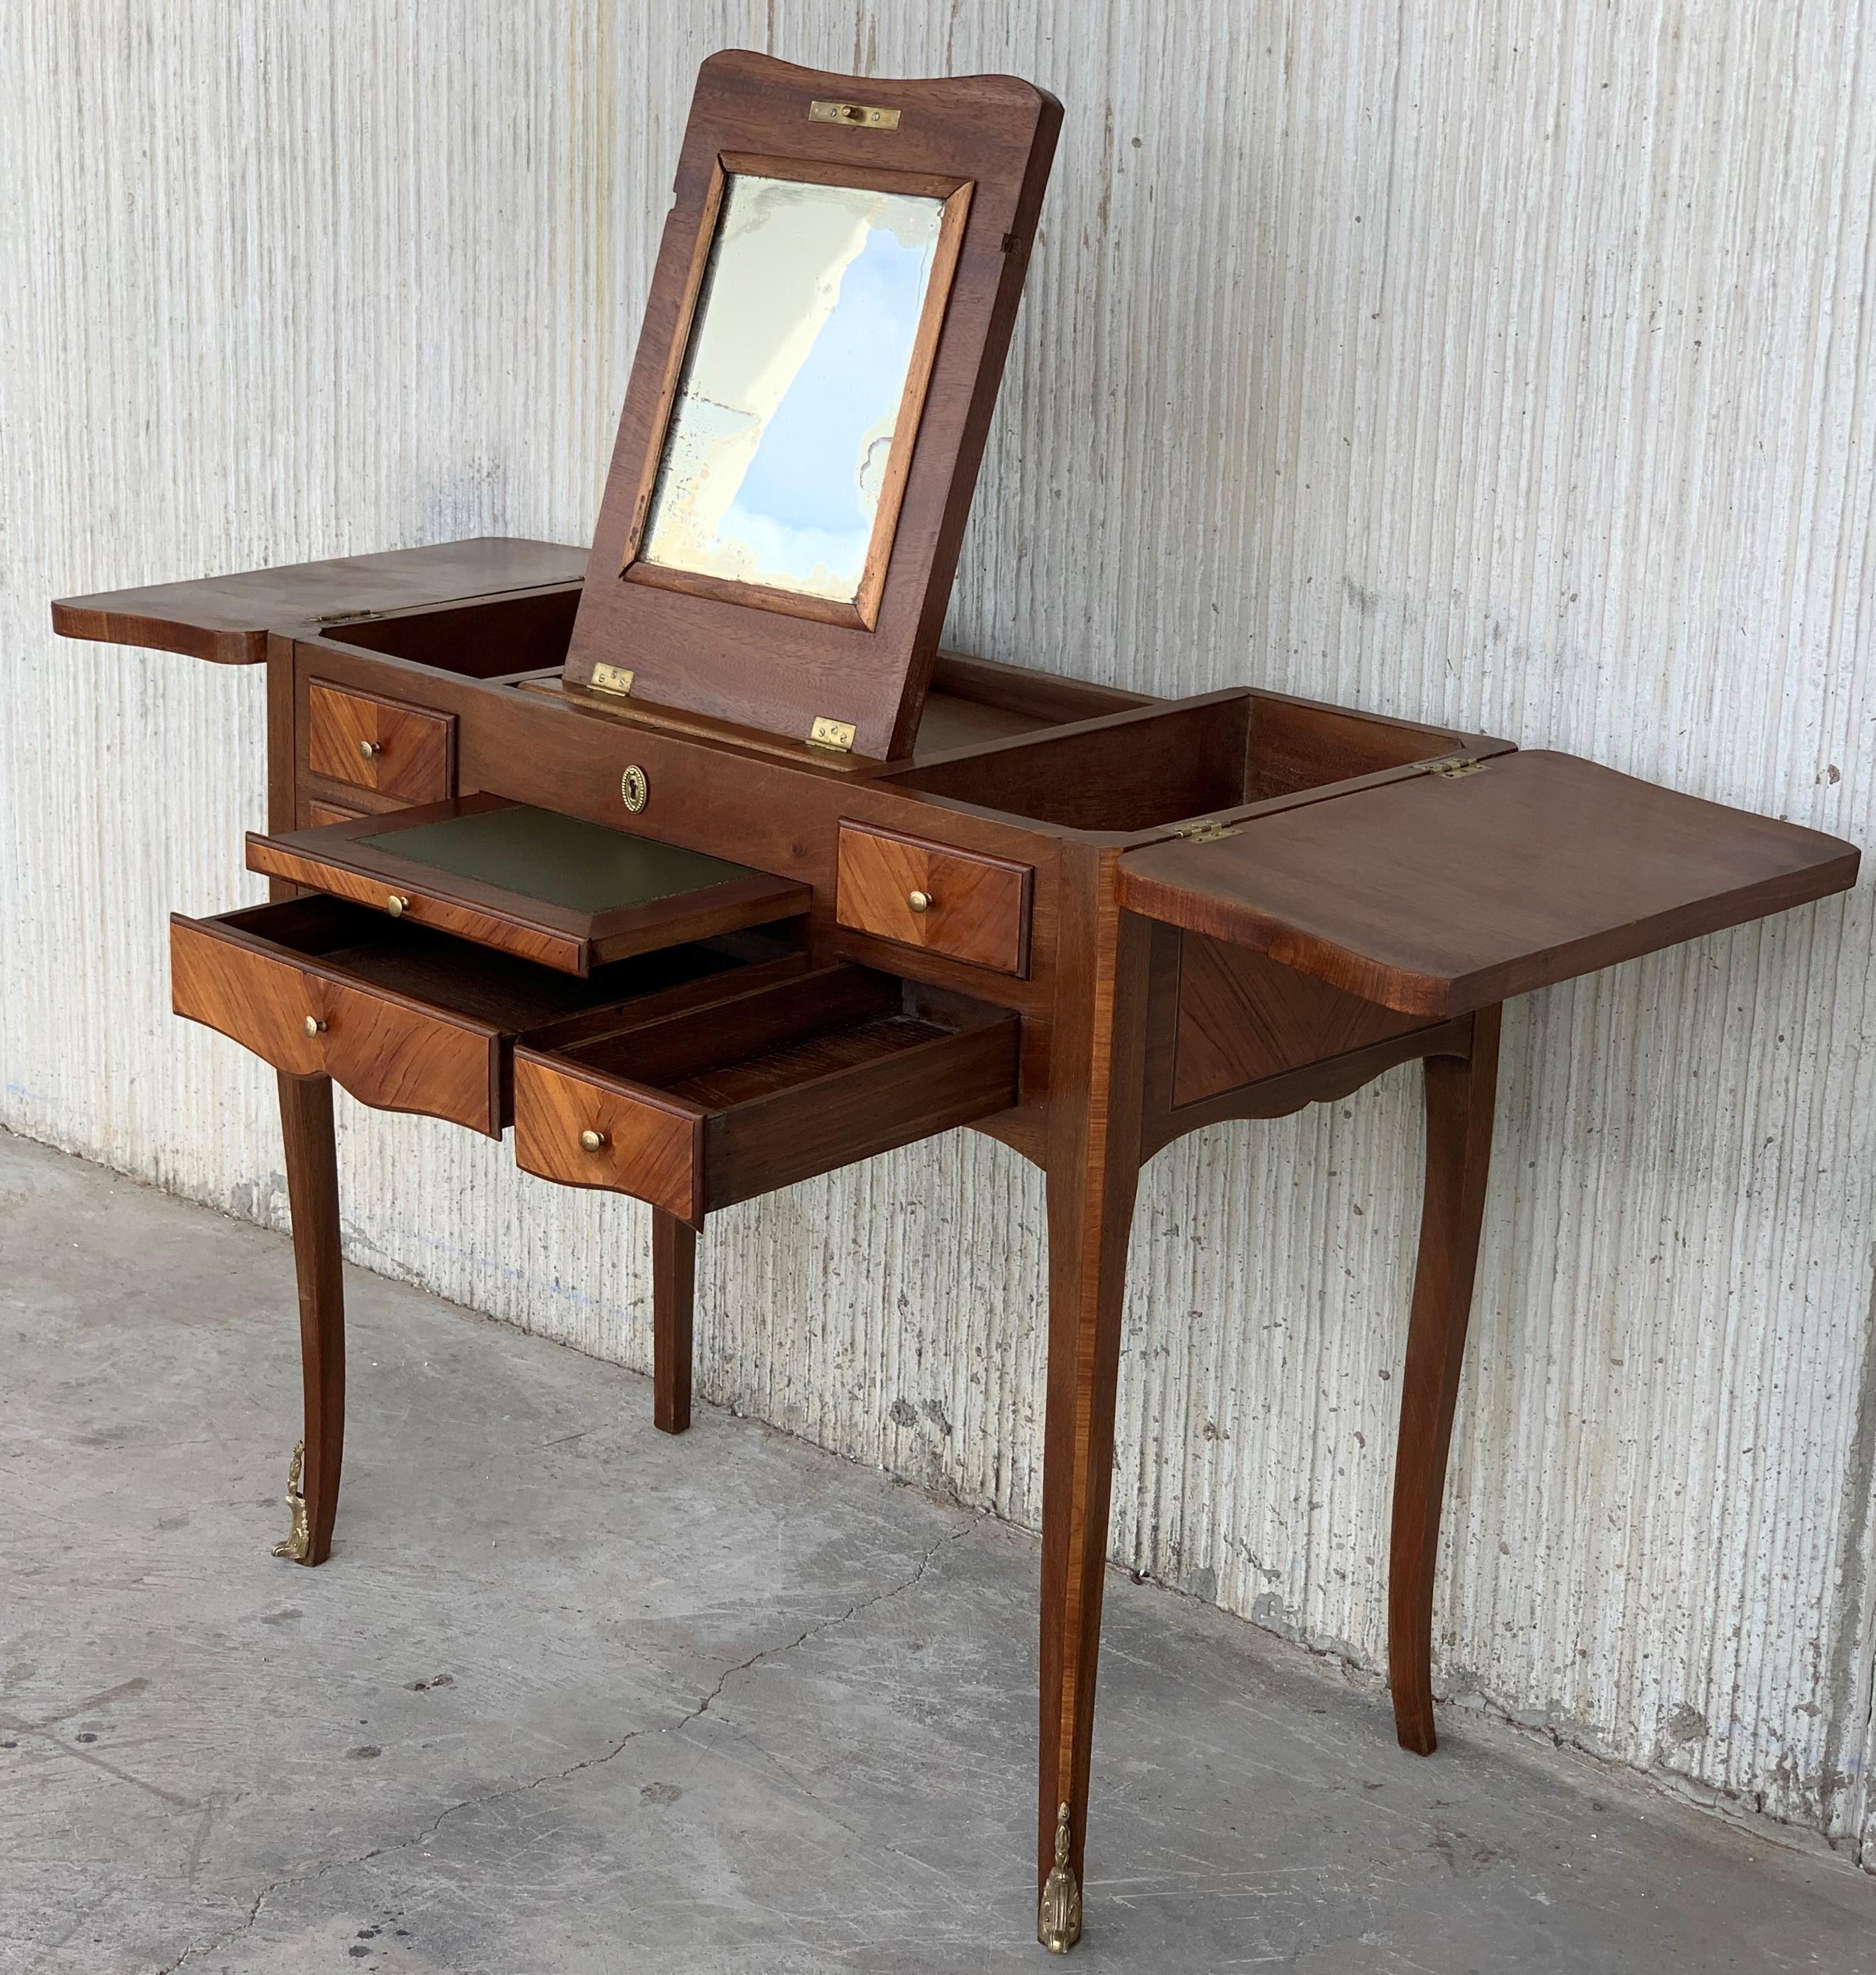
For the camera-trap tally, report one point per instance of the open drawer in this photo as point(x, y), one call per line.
point(698, 1109)
point(409, 1020)
point(554, 888)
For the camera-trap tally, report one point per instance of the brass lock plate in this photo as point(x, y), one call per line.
point(863, 116)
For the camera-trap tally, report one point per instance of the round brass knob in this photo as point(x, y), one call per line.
point(369, 750)
point(314, 1027)
point(397, 906)
point(591, 1140)
point(920, 902)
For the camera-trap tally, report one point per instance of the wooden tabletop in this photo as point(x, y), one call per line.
point(227, 618)
point(1436, 896)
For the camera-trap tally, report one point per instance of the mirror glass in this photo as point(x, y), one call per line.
point(782, 434)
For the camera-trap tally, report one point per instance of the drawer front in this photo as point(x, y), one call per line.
point(650, 1147)
point(976, 909)
point(261, 1001)
point(388, 1052)
point(318, 813)
point(378, 745)
point(722, 1101)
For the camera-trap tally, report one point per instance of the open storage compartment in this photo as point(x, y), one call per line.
point(1163, 764)
point(698, 1109)
point(410, 1019)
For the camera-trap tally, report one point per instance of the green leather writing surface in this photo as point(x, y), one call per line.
point(560, 859)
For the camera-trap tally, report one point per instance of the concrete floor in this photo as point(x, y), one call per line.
point(573, 1696)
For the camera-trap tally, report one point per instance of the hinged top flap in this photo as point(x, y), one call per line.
point(1445, 892)
point(821, 350)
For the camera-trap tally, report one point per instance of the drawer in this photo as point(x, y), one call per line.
point(375, 743)
point(545, 887)
point(975, 908)
point(318, 813)
point(409, 1020)
point(696, 1110)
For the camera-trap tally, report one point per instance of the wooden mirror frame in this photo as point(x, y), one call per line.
point(863, 611)
point(775, 660)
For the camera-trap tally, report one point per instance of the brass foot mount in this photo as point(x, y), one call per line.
point(1058, 1913)
point(298, 1539)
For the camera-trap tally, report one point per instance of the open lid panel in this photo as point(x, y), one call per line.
point(1448, 891)
point(822, 346)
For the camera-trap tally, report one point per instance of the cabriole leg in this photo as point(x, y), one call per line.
point(674, 1287)
point(1460, 1091)
point(313, 1193)
point(1093, 1164)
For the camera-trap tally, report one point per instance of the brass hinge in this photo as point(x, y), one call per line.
point(611, 678)
point(836, 735)
point(1213, 832)
point(863, 114)
point(1452, 771)
point(347, 616)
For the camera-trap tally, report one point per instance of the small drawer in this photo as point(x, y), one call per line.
point(699, 1109)
point(409, 1019)
point(956, 902)
point(315, 814)
point(376, 743)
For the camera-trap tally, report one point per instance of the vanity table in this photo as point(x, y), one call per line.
point(692, 860)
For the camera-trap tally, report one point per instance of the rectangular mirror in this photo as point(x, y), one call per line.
point(813, 320)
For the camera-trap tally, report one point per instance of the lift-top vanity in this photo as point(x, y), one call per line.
point(696, 862)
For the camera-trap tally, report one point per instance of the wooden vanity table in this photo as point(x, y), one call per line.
point(696, 862)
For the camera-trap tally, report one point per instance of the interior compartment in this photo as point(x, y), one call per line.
point(493, 637)
point(1160, 764)
point(408, 1019)
point(525, 636)
point(460, 978)
point(698, 1109)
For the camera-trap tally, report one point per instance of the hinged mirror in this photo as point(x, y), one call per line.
point(825, 335)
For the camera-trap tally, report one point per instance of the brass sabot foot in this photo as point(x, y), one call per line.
point(298, 1539)
point(1058, 1914)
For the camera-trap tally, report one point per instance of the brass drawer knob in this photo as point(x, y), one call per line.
point(920, 902)
point(397, 906)
point(314, 1026)
point(369, 750)
point(591, 1140)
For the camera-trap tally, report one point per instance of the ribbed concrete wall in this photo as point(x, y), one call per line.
point(1510, 367)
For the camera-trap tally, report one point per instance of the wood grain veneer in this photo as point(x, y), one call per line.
point(381, 744)
point(979, 907)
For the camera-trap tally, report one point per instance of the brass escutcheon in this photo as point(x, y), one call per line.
point(634, 790)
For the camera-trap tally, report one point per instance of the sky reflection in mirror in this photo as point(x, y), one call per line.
point(777, 447)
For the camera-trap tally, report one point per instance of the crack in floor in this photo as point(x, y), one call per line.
point(703, 1707)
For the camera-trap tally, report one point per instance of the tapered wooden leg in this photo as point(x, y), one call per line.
point(313, 1193)
point(674, 1287)
point(1460, 1097)
point(1093, 1165)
